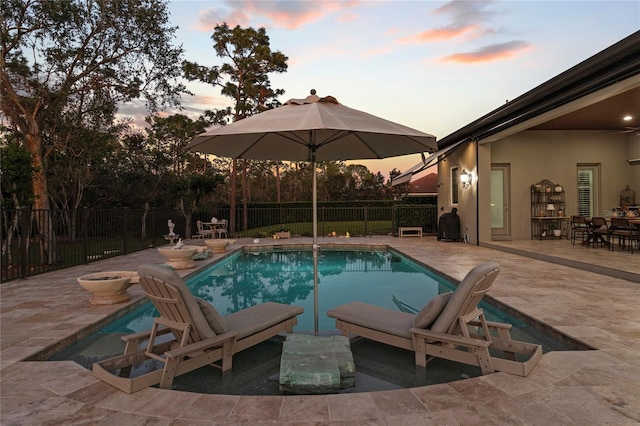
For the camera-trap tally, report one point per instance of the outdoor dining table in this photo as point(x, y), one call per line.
point(213, 226)
point(594, 238)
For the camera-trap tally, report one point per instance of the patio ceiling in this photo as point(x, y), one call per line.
point(605, 115)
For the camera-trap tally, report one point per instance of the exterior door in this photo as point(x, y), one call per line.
point(500, 204)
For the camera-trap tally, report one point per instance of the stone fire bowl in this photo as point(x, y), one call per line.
point(218, 245)
point(108, 287)
point(179, 258)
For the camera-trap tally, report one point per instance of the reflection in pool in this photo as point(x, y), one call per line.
point(249, 278)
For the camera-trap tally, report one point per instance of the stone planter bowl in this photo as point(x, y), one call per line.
point(179, 258)
point(218, 246)
point(108, 288)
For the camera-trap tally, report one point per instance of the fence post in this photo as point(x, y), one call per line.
point(153, 227)
point(25, 217)
point(85, 235)
point(365, 220)
point(394, 220)
point(125, 216)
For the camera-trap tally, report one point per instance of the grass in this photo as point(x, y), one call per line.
point(305, 229)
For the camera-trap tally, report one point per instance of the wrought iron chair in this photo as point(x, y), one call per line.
point(579, 226)
point(221, 228)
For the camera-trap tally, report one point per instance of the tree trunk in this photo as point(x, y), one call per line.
point(143, 231)
point(232, 196)
point(44, 220)
point(245, 196)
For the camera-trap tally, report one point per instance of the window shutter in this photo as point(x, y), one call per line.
point(585, 193)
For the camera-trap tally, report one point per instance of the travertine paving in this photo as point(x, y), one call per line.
point(566, 388)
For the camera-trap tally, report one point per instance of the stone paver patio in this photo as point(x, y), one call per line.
point(566, 388)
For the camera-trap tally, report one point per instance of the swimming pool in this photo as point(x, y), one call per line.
point(247, 278)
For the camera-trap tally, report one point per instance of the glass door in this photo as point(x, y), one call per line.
point(500, 204)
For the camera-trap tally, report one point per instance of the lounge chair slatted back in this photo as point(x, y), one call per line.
point(191, 323)
point(166, 299)
point(459, 331)
point(466, 298)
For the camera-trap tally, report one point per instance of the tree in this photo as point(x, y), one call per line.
point(52, 53)
point(397, 191)
point(17, 171)
point(244, 79)
point(169, 136)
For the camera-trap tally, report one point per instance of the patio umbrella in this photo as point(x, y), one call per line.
point(313, 129)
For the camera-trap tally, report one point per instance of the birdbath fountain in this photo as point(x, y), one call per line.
point(218, 245)
point(109, 287)
point(179, 256)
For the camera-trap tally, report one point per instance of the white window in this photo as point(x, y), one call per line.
point(587, 190)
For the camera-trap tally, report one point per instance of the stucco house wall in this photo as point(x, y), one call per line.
point(464, 158)
point(555, 155)
point(534, 155)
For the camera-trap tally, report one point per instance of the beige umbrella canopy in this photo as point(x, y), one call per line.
point(293, 131)
point(313, 129)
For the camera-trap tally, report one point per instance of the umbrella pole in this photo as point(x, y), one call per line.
point(315, 246)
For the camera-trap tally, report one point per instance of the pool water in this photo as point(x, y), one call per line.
point(249, 278)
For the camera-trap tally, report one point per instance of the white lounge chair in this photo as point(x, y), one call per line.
point(189, 333)
point(451, 326)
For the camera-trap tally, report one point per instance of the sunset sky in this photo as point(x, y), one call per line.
point(434, 66)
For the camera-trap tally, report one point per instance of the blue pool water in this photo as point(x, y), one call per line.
point(250, 278)
point(246, 279)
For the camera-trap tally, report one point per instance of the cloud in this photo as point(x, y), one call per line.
point(278, 14)
point(439, 34)
point(467, 18)
point(489, 53)
point(464, 12)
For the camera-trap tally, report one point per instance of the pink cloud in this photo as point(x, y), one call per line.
point(466, 18)
point(438, 34)
point(280, 14)
point(489, 53)
point(376, 51)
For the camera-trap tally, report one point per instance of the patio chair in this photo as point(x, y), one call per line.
point(202, 232)
point(451, 326)
point(188, 334)
point(222, 228)
point(600, 230)
point(579, 227)
point(625, 232)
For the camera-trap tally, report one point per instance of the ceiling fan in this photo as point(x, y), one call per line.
point(635, 130)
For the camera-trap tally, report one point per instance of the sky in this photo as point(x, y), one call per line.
point(431, 65)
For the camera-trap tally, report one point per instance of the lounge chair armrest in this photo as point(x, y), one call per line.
point(202, 345)
point(493, 324)
point(449, 338)
point(143, 335)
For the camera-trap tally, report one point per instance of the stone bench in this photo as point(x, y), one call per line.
point(316, 365)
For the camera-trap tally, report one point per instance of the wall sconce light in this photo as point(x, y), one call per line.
point(465, 179)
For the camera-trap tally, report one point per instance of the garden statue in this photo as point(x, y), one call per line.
point(171, 236)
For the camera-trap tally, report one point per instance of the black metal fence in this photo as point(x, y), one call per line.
point(38, 241)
